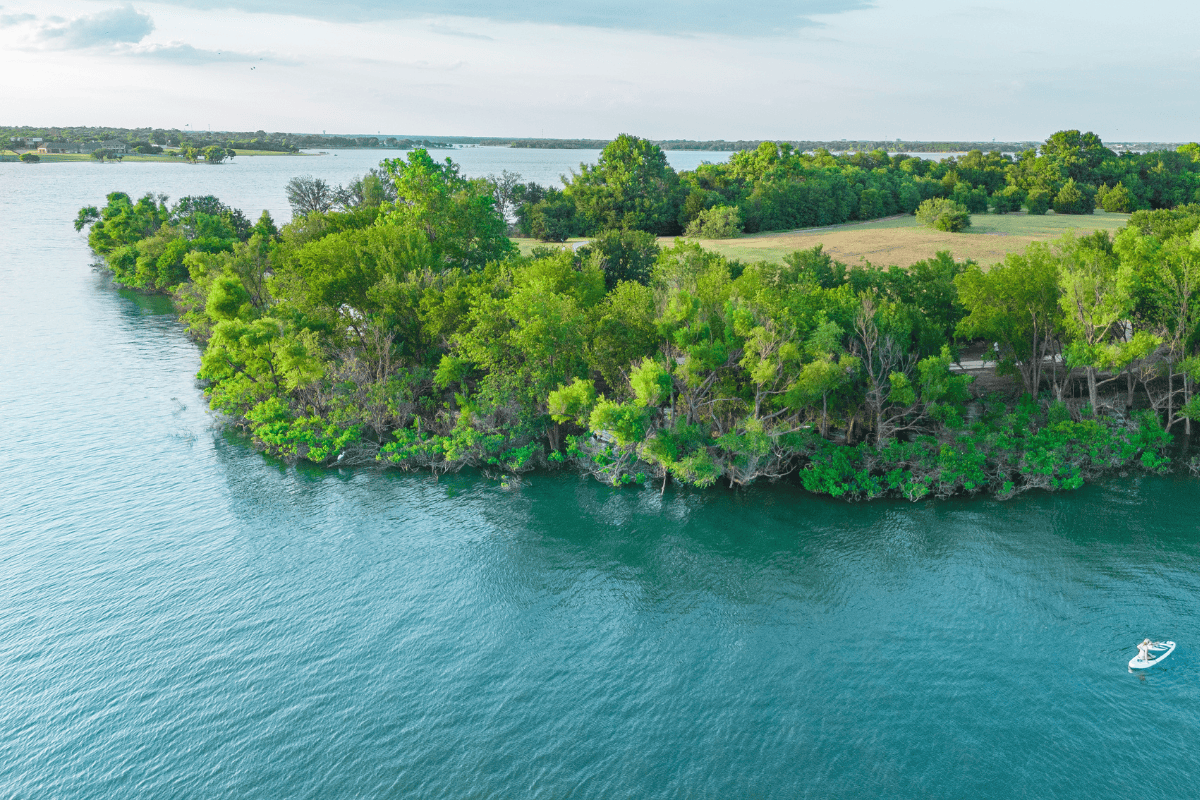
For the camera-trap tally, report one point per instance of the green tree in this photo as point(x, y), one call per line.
point(1015, 304)
point(215, 154)
point(457, 216)
point(1076, 154)
point(1074, 199)
point(630, 187)
point(1095, 296)
point(550, 219)
point(1037, 202)
point(622, 255)
point(1117, 199)
point(307, 194)
point(719, 222)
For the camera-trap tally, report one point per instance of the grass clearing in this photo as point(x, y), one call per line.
point(900, 241)
point(526, 245)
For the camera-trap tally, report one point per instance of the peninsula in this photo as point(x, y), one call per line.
point(394, 321)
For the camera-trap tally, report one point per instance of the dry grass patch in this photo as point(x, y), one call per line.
point(899, 241)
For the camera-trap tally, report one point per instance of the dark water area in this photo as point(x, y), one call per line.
point(182, 617)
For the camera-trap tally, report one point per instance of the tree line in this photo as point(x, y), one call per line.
point(400, 325)
point(777, 187)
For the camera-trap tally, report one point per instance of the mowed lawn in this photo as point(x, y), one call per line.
point(900, 241)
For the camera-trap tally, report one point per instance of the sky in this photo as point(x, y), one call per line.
point(706, 69)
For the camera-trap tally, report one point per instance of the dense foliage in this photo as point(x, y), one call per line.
point(777, 187)
point(400, 325)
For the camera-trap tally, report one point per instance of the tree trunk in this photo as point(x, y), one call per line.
point(1170, 393)
point(1092, 398)
point(1187, 395)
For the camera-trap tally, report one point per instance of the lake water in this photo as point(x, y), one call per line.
point(181, 617)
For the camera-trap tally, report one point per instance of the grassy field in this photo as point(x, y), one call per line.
point(899, 241)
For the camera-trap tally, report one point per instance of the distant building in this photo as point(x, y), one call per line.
point(58, 147)
point(110, 145)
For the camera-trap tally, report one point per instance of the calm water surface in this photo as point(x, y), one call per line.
point(181, 617)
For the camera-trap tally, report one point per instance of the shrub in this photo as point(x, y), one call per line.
point(1116, 199)
point(1037, 201)
point(1074, 199)
point(30, 158)
point(1007, 200)
point(719, 222)
point(944, 215)
point(976, 200)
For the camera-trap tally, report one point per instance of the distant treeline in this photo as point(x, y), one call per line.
point(152, 140)
point(777, 186)
point(725, 145)
point(559, 144)
point(291, 142)
point(806, 145)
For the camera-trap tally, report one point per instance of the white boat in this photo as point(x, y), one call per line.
point(1158, 651)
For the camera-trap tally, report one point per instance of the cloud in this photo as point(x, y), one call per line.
point(672, 17)
point(182, 53)
point(446, 30)
point(118, 26)
point(7, 20)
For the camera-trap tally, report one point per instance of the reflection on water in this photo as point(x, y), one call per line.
point(181, 616)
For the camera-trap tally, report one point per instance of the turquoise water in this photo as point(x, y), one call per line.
point(182, 617)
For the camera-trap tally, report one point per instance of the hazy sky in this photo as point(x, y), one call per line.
point(813, 69)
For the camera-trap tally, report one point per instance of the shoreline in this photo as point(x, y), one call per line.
point(139, 158)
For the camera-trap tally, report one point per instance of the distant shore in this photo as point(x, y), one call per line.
point(168, 157)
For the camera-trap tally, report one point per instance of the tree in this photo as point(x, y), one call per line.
point(622, 255)
point(1007, 200)
point(944, 215)
point(101, 154)
point(307, 194)
point(1015, 304)
point(1074, 199)
point(1037, 202)
point(215, 154)
point(1167, 280)
point(902, 392)
point(553, 218)
point(719, 222)
point(1095, 296)
point(504, 189)
point(1117, 199)
point(1076, 155)
point(29, 158)
point(458, 216)
point(370, 191)
point(631, 186)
